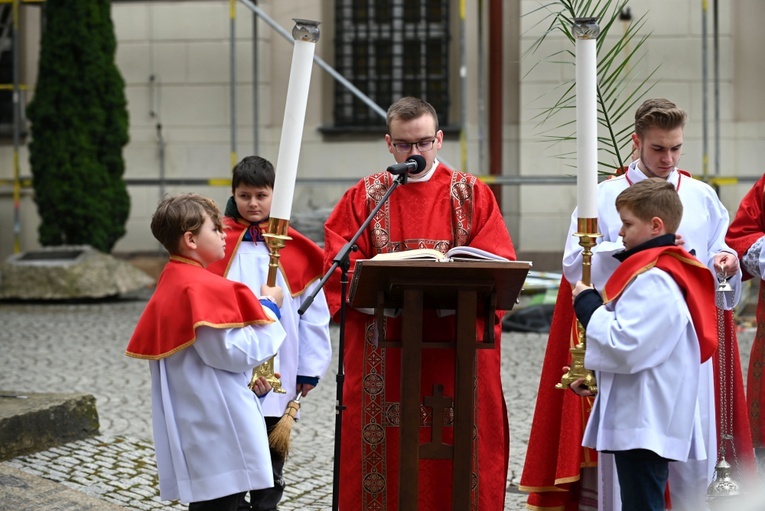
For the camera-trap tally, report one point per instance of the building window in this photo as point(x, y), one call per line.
point(389, 49)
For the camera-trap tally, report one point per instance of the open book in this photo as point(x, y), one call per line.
point(463, 253)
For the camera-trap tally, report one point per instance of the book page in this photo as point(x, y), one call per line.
point(424, 254)
point(466, 253)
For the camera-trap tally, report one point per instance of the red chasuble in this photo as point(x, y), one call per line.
point(188, 296)
point(300, 261)
point(747, 227)
point(555, 454)
point(450, 209)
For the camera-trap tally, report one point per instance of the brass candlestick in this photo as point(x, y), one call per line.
point(587, 233)
point(275, 241)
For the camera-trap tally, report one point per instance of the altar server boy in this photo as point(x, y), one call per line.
point(648, 332)
point(202, 335)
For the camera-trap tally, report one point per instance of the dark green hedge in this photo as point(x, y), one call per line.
point(79, 127)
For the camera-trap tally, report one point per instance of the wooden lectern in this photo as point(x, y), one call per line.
point(412, 286)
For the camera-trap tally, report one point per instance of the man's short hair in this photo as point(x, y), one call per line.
point(253, 171)
point(408, 108)
point(177, 215)
point(659, 113)
point(653, 197)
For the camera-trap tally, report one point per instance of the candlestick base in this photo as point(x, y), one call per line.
point(576, 370)
point(267, 369)
point(587, 233)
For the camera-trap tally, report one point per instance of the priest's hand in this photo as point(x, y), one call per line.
point(726, 264)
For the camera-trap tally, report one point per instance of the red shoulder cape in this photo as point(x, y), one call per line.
point(300, 261)
point(188, 296)
point(695, 280)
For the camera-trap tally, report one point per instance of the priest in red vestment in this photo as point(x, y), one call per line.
point(438, 208)
point(746, 235)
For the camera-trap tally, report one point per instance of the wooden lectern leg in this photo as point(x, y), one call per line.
point(409, 435)
point(464, 399)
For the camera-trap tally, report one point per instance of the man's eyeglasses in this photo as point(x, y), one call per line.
point(422, 146)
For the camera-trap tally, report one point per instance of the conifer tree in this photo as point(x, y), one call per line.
point(79, 127)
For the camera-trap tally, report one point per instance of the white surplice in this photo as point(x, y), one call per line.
point(645, 352)
point(209, 434)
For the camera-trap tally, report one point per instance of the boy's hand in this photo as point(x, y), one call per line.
point(578, 386)
point(304, 388)
point(679, 241)
point(579, 287)
point(274, 292)
point(261, 387)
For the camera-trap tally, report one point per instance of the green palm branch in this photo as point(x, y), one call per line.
point(621, 84)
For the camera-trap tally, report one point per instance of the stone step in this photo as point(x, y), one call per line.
point(31, 422)
point(20, 491)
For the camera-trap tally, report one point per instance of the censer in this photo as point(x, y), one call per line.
point(724, 492)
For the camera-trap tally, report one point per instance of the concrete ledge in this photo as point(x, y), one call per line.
point(24, 492)
point(33, 422)
point(70, 272)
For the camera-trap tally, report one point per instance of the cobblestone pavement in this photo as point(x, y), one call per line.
point(79, 348)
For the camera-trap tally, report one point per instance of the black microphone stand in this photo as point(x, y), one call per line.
point(342, 261)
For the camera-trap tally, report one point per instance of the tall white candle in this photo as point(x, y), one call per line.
point(292, 127)
point(586, 118)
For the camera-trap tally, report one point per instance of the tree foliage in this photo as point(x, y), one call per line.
point(79, 126)
point(621, 82)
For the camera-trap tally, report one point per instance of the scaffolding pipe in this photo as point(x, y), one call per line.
point(16, 132)
point(232, 87)
point(329, 69)
point(154, 110)
point(481, 90)
point(716, 18)
point(495, 94)
point(326, 67)
point(255, 98)
point(463, 89)
point(704, 94)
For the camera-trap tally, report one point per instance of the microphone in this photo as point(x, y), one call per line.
point(414, 165)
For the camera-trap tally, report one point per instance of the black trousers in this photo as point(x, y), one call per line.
point(267, 499)
point(228, 503)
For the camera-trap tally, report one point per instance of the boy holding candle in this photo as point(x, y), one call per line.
point(306, 352)
point(202, 336)
point(646, 339)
